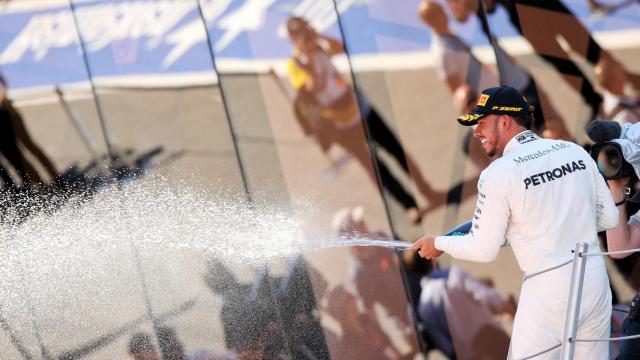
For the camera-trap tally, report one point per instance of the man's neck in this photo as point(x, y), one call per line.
point(513, 132)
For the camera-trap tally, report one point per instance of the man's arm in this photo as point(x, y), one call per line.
point(606, 212)
point(488, 227)
point(625, 235)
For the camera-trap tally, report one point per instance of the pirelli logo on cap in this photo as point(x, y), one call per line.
point(482, 101)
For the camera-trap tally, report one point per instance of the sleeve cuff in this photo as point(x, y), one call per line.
point(441, 243)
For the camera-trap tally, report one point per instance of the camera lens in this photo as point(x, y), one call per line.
point(609, 161)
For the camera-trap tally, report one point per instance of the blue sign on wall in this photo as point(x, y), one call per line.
point(39, 46)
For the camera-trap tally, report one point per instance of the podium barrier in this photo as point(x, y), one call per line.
point(569, 340)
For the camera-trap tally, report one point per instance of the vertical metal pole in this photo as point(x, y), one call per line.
point(374, 161)
point(22, 274)
point(225, 106)
point(236, 148)
point(78, 124)
point(484, 21)
point(109, 144)
point(103, 125)
point(367, 132)
point(573, 305)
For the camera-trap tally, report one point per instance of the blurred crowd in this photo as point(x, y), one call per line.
point(25, 191)
point(332, 113)
point(300, 315)
point(329, 110)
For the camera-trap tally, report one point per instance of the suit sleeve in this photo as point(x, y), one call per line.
point(489, 223)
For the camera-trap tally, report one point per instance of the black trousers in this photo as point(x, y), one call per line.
point(630, 349)
point(354, 142)
point(563, 66)
point(385, 138)
point(9, 144)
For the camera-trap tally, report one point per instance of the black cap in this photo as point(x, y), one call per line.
point(501, 100)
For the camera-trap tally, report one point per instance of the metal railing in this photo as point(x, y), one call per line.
point(569, 339)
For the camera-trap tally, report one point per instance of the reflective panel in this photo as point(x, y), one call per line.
point(241, 179)
point(321, 152)
point(94, 278)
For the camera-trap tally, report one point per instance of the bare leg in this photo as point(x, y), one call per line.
point(554, 125)
point(559, 21)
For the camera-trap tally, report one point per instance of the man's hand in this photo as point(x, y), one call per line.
point(426, 247)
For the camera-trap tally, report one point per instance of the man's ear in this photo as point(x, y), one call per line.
point(504, 122)
point(509, 122)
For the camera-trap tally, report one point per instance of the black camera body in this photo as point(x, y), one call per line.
point(610, 160)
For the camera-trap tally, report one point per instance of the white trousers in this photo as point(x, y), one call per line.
point(539, 321)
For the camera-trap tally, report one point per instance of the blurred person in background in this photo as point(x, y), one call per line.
point(458, 312)
point(626, 235)
point(361, 336)
point(13, 135)
point(621, 103)
point(171, 347)
point(141, 347)
point(374, 272)
point(298, 310)
point(541, 196)
point(251, 327)
point(561, 27)
point(327, 108)
point(465, 76)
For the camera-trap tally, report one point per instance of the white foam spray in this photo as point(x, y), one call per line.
point(154, 214)
point(77, 270)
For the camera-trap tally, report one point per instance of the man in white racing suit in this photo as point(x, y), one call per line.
point(542, 196)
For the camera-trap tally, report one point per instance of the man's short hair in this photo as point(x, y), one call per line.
point(523, 120)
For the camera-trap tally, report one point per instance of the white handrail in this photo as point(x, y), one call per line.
point(541, 352)
point(573, 305)
point(612, 252)
point(619, 338)
point(529, 276)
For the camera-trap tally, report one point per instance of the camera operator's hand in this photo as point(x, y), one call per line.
point(618, 188)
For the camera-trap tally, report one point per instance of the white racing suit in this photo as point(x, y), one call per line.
point(544, 196)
